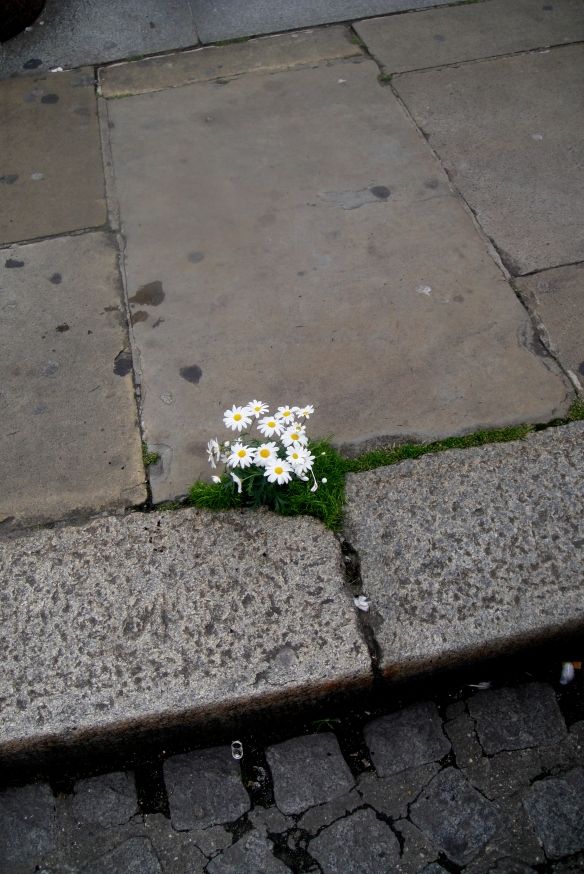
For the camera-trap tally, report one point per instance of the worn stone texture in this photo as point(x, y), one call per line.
point(75, 32)
point(517, 718)
point(227, 19)
point(204, 789)
point(51, 174)
point(556, 809)
point(372, 290)
point(252, 852)
point(71, 440)
point(134, 856)
point(177, 852)
point(504, 774)
point(462, 735)
point(322, 815)
point(520, 171)
point(28, 827)
point(106, 800)
point(418, 849)
point(392, 795)
point(219, 62)
point(407, 738)
point(360, 843)
point(470, 552)
point(307, 771)
point(557, 296)
point(470, 31)
point(152, 619)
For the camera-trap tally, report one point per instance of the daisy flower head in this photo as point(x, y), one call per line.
point(294, 434)
point(301, 458)
point(278, 471)
point(257, 408)
point(237, 418)
point(265, 453)
point(269, 426)
point(286, 414)
point(306, 412)
point(213, 452)
point(241, 455)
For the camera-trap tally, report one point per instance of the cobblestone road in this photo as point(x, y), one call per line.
point(490, 782)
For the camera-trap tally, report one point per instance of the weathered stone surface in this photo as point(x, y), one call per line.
point(56, 180)
point(418, 851)
point(161, 617)
point(505, 773)
point(204, 788)
point(226, 19)
point(307, 771)
point(359, 843)
point(290, 229)
point(406, 738)
point(556, 296)
point(255, 56)
point(178, 852)
point(511, 166)
point(392, 795)
point(135, 856)
point(106, 800)
point(324, 814)
point(27, 825)
point(252, 852)
point(469, 552)
point(469, 31)
point(556, 809)
point(517, 718)
point(514, 838)
point(455, 816)
point(77, 32)
point(567, 754)
point(462, 735)
point(72, 440)
point(269, 819)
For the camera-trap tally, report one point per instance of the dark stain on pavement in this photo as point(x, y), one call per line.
point(195, 257)
point(380, 191)
point(150, 295)
point(56, 279)
point(191, 374)
point(12, 262)
point(431, 183)
point(139, 316)
point(32, 64)
point(458, 298)
point(9, 179)
point(62, 328)
point(157, 322)
point(50, 98)
point(438, 37)
point(123, 363)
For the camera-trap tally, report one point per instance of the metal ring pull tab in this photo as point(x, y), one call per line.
point(237, 749)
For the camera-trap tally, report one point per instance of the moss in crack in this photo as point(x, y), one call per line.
point(149, 457)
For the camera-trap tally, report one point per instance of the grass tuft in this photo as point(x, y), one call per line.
point(148, 457)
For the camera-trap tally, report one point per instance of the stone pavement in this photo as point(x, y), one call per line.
point(481, 782)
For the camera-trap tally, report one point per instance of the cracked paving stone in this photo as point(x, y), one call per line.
point(567, 754)
point(556, 809)
point(465, 745)
point(204, 788)
point(392, 795)
point(360, 843)
point(455, 816)
point(134, 856)
point(417, 851)
point(325, 814)
point(514, 719)
point(177, 852)
point(308, 771)
point(27, 825)
point(251, 854)
point(514, 839)
point(511, 866)
point(105, 800)
point(409, 737)
point(505, 773)
point(270, 820)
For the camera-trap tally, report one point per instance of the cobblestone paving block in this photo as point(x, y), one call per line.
point(252, 853)
point(418, 850)
point(575, 865)
point(106, 800)
point(409, 737)
point(511, 866)
point(269, 819)
point(514, 839)
point(461, 731)
point(517, 718)
point(556, 809)
point(504, 773)
point(307, 771)
point(455, 816)
point(567, 754)
point(360, 843)
point(135, 856)
point(204, 788)
point(325, 814)
point(392, 795)
point(27, 825)
point(433, 868)
point(177, 852)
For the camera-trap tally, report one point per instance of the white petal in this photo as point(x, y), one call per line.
point(361, 603)
point(567, 674)
point(216, 479)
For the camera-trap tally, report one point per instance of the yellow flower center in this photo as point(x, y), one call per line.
point(236, 417)
point(295, 455)
point(278, 470)
point(271, 424)
point(295, 436)
point(265, 453)
point(242, 453)
point(287, 414)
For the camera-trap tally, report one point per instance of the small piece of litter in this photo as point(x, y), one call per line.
point(216, 479)
point(341, 81)
point(484, 685)
point(37, 176)
point(567, 674)
point(361, 603)
point(57, 70)
point(324, 480)
point(237, 749)
point(424, 289)
point(537, 136)
point(27, 29)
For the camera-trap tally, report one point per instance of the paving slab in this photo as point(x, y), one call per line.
point(151, 620)
point(508, 132)
point(70, 438)
point(360, 842)
point(407, 738)
point(557, 296)
point(51, 173)
point(267, 54)
point(469, 553)
point(556, 810)
point(291, 236)
point(435, 37)
point(516, 719)
point(229, 19)
point(69, 33)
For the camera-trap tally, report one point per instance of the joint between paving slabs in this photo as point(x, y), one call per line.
point(354, 583)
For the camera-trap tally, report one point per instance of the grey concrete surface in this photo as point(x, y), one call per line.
point(50, 156)
point(76, 32)
point(70, 440)
point(228, 19)
point(154, 619)
point(557, 296)
point(264, 55)
point(467, 553)
point(331, 264)
point(470, 31)
point(508, 132)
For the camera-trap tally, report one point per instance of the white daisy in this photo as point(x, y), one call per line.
point(241, 455)
point(238, 481)
point(237, 418)
point(216, 479)
point(214, 453)
point(286, 414)
point(265, 453)
point(278, 471)
point(295, 434)
point(301, 458)
point(257, 408)
point(269, 425)
point(306, 412)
